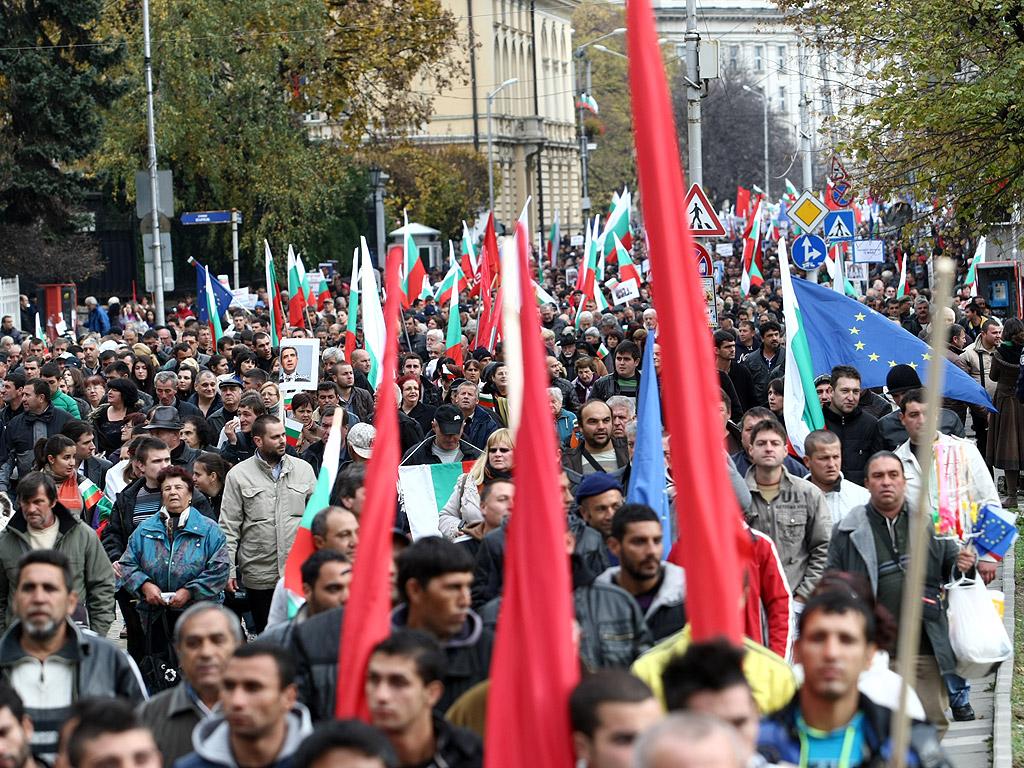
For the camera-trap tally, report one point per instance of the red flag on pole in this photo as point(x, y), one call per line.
point(742, 201)
point(490, 251)
point(528, 704)
point(367, 621)
point(712, 542)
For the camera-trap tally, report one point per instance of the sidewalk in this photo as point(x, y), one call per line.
point(986, 741)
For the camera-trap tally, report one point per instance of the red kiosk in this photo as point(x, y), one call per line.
point(59, 310)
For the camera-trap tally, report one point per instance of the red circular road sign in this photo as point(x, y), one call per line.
point(703, 261)
point(842, 193)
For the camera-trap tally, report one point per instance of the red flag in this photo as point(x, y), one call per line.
point(490, 252)
point(484, 322)
point(367, 620)
point(742, 201)
point(711, 544)
point(323, 296)
point(528, 704)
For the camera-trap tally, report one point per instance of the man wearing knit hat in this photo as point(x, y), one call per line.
point(900, 380)
point(599, 495)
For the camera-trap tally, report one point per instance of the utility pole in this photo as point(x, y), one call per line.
point(693, 95)
point(805, 124)
point(154, 191)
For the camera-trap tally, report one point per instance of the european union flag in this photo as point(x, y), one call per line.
point(842, 331)
point(995, 531)
point(222, 295)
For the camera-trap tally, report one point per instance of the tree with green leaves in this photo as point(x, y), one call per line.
point(933, 106)
point(56, 68)
point(238, 86)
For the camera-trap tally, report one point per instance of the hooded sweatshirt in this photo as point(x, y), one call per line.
point(212, 742)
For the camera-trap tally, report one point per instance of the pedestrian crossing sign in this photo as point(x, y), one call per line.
point(808, 211)
point(701, 217)
point(839, 227)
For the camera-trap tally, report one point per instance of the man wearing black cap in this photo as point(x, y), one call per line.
point(446, 445)
point(900, 380)
point(165, 424)
point(570, 351)
point(230, 387)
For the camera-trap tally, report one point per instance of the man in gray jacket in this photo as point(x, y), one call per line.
point(792, 511)
point(264, 499)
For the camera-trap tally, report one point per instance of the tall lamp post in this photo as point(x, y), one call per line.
point(766, 100)
point(377, 179)
point(490, 151)
point(583, 86)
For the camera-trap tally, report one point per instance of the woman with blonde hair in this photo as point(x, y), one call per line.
point(461, 515)
point(271, 395)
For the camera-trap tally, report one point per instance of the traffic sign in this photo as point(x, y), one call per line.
point(703, 220)
point(206, 217)
point(808, 211)
point(809, 251)
point(842, 193)
point(836, 171)
point(839, 227)
point(704, 268)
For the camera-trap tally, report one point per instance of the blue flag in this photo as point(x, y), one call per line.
point(995, 531)
point(783, 215)
point(222, 295)
point(647, 475)
point(842, 331)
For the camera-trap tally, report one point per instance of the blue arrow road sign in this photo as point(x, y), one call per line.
point(206, 217)
point(809, 251)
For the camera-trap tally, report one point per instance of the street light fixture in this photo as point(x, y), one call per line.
point(766, 100)
point(490, 160)
point(377, 179)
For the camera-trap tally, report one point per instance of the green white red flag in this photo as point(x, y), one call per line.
point(801, 407)
point(618, 222)
point(627, 269)
point(414, 276)
point(902, 287)
point(353, 308)
point(554, 239)
point(274, 303)
point(752, 254)
point(296, 292)
point(467, 257)
point(971, 280)
point(374, 340)
point(212, 312)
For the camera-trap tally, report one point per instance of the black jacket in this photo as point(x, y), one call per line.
point(570, 401)
point(422, 453)
point(185, 409)
point(184, 456)
point(95, 468)
point(573, 462)
point(858, 432)
point(315, 645)
point(119, 526)
point(456, 747)
point(608, 386)
point(216, 421)
point(19, 438)
point(489, 569)
point(779, 740)
point(761, 373)
point(409, 433)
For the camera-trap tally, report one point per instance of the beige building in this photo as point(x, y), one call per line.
point(533, 128)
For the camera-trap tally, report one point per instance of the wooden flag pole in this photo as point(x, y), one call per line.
point(920, 520)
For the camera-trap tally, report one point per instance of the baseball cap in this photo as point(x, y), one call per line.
point(449, 419)
point(360, 439)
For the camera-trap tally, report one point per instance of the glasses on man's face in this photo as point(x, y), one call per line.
point(499, 450)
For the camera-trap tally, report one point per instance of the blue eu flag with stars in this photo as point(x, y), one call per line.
point(995, 531)
point(842, 331)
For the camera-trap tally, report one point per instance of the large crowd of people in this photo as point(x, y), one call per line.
point(152, 488)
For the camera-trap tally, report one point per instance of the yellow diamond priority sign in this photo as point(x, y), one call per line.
point(808, 211)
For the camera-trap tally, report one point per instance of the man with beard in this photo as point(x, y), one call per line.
point(599, 451)
point(768, 362)
point(658, 588)
point(77, 664)
point(15, 731)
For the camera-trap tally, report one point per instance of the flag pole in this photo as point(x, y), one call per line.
point(920, 521)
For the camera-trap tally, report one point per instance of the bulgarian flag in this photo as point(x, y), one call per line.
point(553, 241)
point(543, 297)
point(302, 547)
point(353, 307)
point(971, 280)
point(751, 255)
point(627, 269)
point(431, 485)
point(468, 258)
point(296, 292)
point(40, 335)
point(618, 223)
point(374, 336)
point(414, 276)
point(304, 279)
point(274, 303)
point(454, 281)
point(453, 338)
point(801, 407)
point(96, 500)
point(792, 193)
point(902, 288)
point(292, 432)
point(587, 102)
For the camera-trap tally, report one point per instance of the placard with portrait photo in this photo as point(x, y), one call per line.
point(300, 363)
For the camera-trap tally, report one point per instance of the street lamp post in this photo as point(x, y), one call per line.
point(583, 86)
point(490, 156)
point(766, 100)
point(377, 179)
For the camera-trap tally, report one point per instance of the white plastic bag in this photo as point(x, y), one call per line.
point(976, 632)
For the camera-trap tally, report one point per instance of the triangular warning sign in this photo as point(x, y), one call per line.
point(839, 231)
point(701, 217)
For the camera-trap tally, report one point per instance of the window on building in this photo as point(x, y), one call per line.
point(734, 57)
point(759, 58)
point(782, 57)
point(782, 98)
